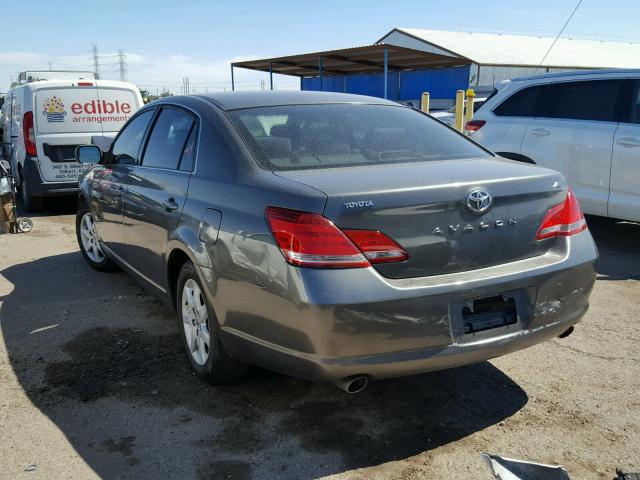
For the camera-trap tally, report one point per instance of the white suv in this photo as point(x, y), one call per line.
point(585, 124)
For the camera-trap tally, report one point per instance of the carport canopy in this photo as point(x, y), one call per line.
point(378, 58)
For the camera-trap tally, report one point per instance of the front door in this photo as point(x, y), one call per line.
point(110, 183)
point(157, 191)
point(624, 198)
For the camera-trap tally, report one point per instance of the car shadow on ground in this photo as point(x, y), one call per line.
point(618, 242)
point(104, 362)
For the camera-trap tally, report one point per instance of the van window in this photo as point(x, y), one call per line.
point(523, 103)
point(587, 100)
point(168, 139)
point(127, 146)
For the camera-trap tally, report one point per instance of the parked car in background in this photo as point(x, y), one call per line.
point(585, 124)
point(449, 116)
point(48, 115)
point(333, 237)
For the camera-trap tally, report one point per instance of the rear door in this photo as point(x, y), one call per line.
point(573, 133)
point(624, 197)
point(157, 191)
point(110, 183)
point(66, 117)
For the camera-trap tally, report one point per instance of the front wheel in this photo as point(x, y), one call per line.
point(200, 333)
point(89, 243)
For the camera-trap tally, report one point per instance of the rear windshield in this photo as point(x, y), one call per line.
point(296, 137)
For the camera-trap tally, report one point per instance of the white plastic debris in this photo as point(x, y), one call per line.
point(510, 469)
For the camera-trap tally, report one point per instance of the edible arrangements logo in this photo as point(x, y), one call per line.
point(54, 110)
point(101, 111)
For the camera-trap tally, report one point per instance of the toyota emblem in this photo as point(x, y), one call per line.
point(479, 201)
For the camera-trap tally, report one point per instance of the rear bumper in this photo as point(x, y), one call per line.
point(39, 188)
point(325, 325)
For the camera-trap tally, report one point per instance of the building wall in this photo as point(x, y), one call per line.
point(484, 77)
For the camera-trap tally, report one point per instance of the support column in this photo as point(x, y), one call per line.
point(386, 70)
point(271, 75)
point(320, 71)
point(233, 84)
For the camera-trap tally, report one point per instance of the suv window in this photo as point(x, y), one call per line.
point(586, 100)
point(126, 148)
point(523, 103)
point(168, 139)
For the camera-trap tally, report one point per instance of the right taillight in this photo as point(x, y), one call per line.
point(474, 125)
point(29, 135)
point(563, 220)
point(310, 240)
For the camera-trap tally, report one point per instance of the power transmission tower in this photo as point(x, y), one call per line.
point(96, 61)
point(49, 65)
point(122, 62)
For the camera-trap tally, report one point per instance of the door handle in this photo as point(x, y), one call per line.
point(170, 205)
point(628, 142)
point(540, 132)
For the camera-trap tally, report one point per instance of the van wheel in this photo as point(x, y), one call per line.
point(30, 203)
point(89, 243)
point(200, 332)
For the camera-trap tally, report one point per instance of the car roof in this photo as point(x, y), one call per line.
point(253, 99)
point(578, 73)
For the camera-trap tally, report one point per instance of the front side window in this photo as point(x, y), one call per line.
point(587, 100)
point(127, 146)
point(293, 137)
point(168, 139)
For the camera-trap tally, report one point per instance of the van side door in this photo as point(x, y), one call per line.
point(157, 192)
point(624, 196)
point(110, 183)
point(573, 133)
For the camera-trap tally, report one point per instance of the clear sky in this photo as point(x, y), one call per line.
point(165, 41)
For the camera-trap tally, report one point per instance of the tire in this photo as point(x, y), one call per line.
point(30, 203)
point(210, 361)
point(89, 243)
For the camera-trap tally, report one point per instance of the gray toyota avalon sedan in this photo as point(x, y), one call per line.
point(333, 237)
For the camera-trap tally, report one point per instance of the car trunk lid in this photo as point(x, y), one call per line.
point(422, 206)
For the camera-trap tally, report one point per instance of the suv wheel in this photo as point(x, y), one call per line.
point(31, 203)
point(200, 332)
point(89, 242)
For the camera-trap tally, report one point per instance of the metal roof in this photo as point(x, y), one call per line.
point(254, 99)
point(365, 59)
point(518, 50)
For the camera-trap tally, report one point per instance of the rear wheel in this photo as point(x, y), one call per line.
point(200, 332)
point(89, 243)
point(31, 203)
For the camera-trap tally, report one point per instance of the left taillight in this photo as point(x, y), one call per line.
point(564, 219)
point(474, 125)
point(29, 134)
point(311, 240)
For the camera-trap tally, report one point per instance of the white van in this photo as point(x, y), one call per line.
point(585, 124)
point(48, 115)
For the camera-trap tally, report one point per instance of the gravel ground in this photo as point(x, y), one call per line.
point(94, 383)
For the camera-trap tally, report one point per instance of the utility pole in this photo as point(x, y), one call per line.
point(122, 63)
point(49, 66)
point(96, 61)
point(262, 84)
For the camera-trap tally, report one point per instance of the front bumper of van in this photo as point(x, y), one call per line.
point(38, 187)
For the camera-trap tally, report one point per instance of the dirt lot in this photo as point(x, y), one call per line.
point(94, 383)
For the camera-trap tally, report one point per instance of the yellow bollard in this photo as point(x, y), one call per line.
point(459, 118)
point(424, 102)
point(468, 114)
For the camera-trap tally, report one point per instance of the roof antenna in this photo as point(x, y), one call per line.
point(559, 33)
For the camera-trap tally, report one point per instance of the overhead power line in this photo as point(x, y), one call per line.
point(560, 32)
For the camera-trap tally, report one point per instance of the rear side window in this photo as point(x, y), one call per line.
point(589, 100)
point(127, 146)
point(523, 103)
point(292, 137)
point(189, 152)
point(168, 139)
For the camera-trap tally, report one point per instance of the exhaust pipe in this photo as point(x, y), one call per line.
point(353, 384)
point(566, 333)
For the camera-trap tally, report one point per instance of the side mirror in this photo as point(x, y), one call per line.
point(88, 154)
